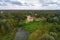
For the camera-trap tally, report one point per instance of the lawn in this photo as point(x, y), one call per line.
point(32, 26)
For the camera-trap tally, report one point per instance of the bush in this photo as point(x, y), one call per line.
point(53, 34)
point(46, 37)
point(35, 35)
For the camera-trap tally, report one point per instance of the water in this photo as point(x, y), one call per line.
point(21, 34)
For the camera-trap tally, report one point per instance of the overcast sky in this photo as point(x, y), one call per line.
point(30, 4)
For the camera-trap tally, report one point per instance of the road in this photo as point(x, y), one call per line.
point(21, 34)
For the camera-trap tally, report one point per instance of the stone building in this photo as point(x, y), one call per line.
point(29, 19)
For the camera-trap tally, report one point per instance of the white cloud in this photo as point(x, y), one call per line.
point(30, 4)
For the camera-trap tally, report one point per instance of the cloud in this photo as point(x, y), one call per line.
point(30, 4)
point(9, 2)
point(48, 2)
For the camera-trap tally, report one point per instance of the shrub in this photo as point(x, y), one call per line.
point(46, 37)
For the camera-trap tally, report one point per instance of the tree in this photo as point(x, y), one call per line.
point(46, 37)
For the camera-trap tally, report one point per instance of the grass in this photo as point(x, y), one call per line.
point(32, 26)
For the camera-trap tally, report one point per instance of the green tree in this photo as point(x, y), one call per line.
point(46, 37)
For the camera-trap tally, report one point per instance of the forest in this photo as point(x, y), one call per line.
point(42, 25)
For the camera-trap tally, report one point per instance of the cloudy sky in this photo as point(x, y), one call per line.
point(30, 4)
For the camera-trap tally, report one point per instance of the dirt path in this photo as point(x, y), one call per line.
point(21, 34)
